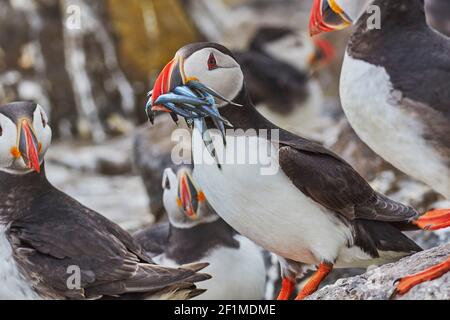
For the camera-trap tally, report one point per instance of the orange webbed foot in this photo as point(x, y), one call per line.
point(407, 283)
point(287, 288)
point(434, 220)
point(315, 281)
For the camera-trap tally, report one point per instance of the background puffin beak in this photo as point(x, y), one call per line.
point(29, 147)
point(327, 16)
point(324, 53)
point(168, 79)
point(188, 196)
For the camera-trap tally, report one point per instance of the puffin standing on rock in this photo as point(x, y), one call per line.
point(196, 233)
point(47, 239)
point(395, 91)
point(298, 200)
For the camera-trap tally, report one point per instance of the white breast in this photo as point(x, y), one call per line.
point(13, 286)
point(268, 209)
point(236, 274)
point(371, 106)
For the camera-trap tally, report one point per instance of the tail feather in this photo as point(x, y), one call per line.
point(154, 281)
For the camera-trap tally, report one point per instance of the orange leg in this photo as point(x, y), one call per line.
point(434, 220)
point(314, 283)
point(407, 283)
point(287, 288)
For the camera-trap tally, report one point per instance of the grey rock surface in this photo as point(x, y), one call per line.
point(379, 283)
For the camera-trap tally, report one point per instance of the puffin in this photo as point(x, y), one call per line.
point(283, 60)
point(196, 233)
point(394, 90)
point(51, 246)
point(277, 59)
point(289, 195)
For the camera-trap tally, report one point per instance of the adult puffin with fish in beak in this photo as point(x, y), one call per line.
point(314, 209)
point(395, 90)
point(48, 238)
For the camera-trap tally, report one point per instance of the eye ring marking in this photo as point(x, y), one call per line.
point(212, 62)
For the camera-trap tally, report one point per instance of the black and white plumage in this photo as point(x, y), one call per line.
point(278, 64)
point(394, 87)
point(394, 91)
point(44, 233)
point(310, 206)
point(235, 263)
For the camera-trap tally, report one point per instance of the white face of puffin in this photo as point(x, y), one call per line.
point(296, 50)
point(354, 9)
point(14, 150)
point(186, 206)
point(217, 71)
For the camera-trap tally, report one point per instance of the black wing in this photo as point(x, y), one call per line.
point(65, 234)
point(333, 183)
point(154, 239)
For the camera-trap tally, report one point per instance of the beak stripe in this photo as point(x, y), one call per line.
point(337, 9)
point(30, 146)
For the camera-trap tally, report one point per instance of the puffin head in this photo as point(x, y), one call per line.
point(201, 78)
point(293, 47)
point(24, 137)
point(331, 15)
point(184, 202)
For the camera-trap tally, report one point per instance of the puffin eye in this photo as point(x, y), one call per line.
point(1, 131)
point(212, 62)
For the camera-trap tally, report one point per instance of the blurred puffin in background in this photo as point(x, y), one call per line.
point(395, 90)
point(196, 233)
point(438, 15)
point(279, 65)
point(46, 237)
point(298, 199)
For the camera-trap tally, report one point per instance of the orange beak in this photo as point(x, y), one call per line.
point(28, 147)
point(327, 16)
point(188, 195)
point(169, 78)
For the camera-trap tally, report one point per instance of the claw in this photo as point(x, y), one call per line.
point(407, 283)
point(434, 220)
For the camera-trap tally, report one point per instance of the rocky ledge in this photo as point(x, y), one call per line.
point(379, 283)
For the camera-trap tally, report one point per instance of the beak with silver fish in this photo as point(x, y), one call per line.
point(189, 99)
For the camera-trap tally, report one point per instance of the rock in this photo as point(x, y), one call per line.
point(379, 283)
point(88, 63)
point(112, 157)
